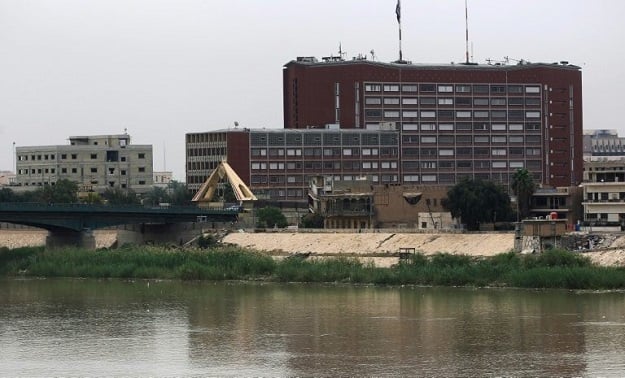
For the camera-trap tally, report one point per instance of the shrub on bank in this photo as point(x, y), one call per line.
point(552, 269)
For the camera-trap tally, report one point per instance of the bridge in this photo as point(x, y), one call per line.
point(72, 223)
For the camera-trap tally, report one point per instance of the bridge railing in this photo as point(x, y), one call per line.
point(81, 207)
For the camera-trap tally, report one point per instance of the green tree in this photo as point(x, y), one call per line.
point(118, 196)
point(523, 186)
point(178, 193)
point(7, 195)
point(155, 196)
point(63, 191)
point(271, 217)
point(477, 201)
point(312, 220)
point(93, 198)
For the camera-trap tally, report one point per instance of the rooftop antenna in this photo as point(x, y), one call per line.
point(372, 54)
point(236, 124)
point(341, 52)
point(466, 25)
point(398, 14)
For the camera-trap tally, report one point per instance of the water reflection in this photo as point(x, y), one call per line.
point(85, 327)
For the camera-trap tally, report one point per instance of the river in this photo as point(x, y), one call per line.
point(73, 327)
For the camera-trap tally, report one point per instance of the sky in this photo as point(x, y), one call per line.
point(163, 68)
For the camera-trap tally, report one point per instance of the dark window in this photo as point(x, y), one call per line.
point(427, 88)
point(94, 156)
point(141, 156)
point(480, 89)
point(94, 170)
point(141, 169)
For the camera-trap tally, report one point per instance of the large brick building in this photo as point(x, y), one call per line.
point(455, 120)
point(406, 124)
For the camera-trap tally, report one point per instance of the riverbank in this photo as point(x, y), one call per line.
point(379, 248)
point(552, 269)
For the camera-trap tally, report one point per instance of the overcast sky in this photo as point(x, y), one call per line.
point(162, 68)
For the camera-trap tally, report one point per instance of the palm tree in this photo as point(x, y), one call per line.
point(523, 186)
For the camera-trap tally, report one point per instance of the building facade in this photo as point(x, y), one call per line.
point(278, 164)
point(96, 163)
point(457, 120)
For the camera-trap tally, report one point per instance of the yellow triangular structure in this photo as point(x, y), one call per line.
point(241, 191)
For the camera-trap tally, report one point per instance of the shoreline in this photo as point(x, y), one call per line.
point(379, 248)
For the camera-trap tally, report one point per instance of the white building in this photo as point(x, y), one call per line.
point(95, 162)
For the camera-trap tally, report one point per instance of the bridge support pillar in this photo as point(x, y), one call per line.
point(68, 238)
point(145, 233)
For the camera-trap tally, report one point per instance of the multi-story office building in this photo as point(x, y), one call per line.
point(277, 164)
point(407, 124)
point(94, 162)
point(455, 120)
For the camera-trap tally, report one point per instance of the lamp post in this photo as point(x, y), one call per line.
point(14, 166)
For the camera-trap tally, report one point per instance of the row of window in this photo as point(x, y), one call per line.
point(450, 88)
point(327, 165)
point(278, 152)
point(451, 139)
point(39, 171)
point(467, 126)
point(317, 139)
point(470, 151)
point(459, 114)
point(93, 156)
point(93, 182)
point(459, 101)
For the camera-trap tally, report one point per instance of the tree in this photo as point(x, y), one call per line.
point(476, 201)
point(155, 196)
point(92, 198)
point(63, 191)
point(271, 217)
point(523, 186)
point(178, 193)
point(117, 196)
point(7, 195)
point(312, 220)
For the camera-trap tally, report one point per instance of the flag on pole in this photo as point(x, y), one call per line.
point(398, 11)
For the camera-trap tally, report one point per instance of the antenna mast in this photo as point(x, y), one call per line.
point(466, 25)
point(398, 13)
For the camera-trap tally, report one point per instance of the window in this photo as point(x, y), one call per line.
point(445, 101)
point(391, 88)
point(498, 126)
point(516, 139)
point(428, 126)
point(409, 101)
point(516, 164)
point(428, 139)
point(63, 156)
point(463, 138)
point(427, 87)
point(463, 114)
point(391, 113)
point(373, 101)
point(463, 88)
point(445, 88)
point(74, 170)
point(427, 101)
point(532, 151)
point(497, 89)
point(463, 101)
point(499, 164)
point(480, 89)
point(532, 114)
point(499, 152)
point(481, 114)
point(515, 89)
point(481, 139)
point(141, 182)
point(409, 88)
point(411, 178)
point(532, 89)
point(391, 100)
point(94, 170)
point(141, 155)
point(515, 127)
point(499, 139)
point(141, 169)
point(446, 126)
point(532, 101)
point(446, 152)
point(410, 127)
point(498, 114)
point(428, 114)
point(410, 114)
point(514, 101)
point(428, 178)
point(373, 87)
point(63, 170)
point(94, 156)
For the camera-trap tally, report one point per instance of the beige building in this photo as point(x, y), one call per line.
point(162, 178)
point(604, 191)
point(362, 203)
point(95, 162)
point(7, 178)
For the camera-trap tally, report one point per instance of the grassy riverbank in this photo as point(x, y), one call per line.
point(553, 269)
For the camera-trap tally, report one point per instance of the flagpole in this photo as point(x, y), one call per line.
point(398, 13)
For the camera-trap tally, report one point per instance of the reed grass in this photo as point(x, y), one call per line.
point(551, 269)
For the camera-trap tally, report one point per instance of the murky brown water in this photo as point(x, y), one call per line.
point(114, 328)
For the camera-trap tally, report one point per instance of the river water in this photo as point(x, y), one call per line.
point(71, 327)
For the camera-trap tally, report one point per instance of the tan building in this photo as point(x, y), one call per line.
point(604, 191)
point(97, 162)
point(361, 203)
point(7, 178)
